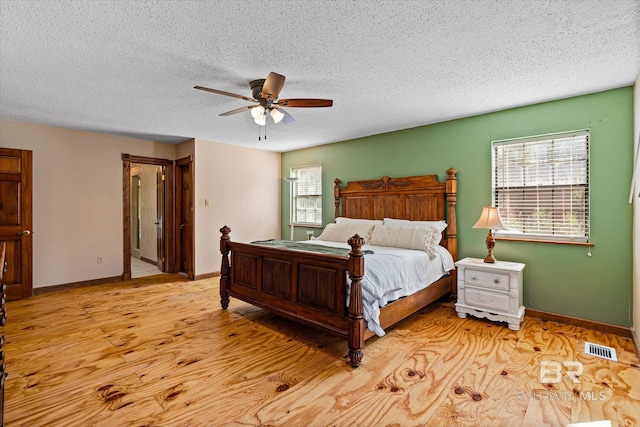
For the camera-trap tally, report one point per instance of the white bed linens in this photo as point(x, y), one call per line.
point(392, 273)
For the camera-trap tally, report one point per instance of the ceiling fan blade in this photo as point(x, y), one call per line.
point(305, 103)
point(238, 110)
point(287, 119)
point(221, 92)
point(272, 86)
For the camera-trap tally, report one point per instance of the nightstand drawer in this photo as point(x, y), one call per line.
point(489, 301)
point(487, 279)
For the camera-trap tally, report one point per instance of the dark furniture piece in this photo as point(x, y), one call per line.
point(3, 321)
point(311, 288)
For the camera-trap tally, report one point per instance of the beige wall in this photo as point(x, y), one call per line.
point(242, 187)
point(186, 149)
point(77, 197)
point(636, 218)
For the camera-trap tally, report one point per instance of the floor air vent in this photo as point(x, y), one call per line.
point(600, 351)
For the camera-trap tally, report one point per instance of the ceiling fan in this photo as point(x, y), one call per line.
point(265, 94)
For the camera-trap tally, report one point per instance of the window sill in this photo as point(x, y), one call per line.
point(303, 225)
point(556, 242)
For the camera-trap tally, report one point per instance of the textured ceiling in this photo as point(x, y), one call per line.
point(129, 67)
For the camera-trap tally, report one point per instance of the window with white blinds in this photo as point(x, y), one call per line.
point(541, 186)
point(307, 195)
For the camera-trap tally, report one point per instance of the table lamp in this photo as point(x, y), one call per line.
point(490, 219)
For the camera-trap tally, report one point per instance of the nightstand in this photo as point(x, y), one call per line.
point(490, 290)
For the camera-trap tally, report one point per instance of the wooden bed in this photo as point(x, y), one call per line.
point(311, 288)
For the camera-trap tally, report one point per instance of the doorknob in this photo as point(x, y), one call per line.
point(24, 233)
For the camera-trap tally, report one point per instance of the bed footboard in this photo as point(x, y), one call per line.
point(306, 287)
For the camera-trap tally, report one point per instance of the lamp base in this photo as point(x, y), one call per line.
point(490, 259)
point(491, 243)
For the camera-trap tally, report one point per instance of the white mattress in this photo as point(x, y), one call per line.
point(392, 273)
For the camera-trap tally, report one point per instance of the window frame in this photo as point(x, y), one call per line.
point(295, 172)
point(577, 239)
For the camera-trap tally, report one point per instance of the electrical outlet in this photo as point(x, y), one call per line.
point(100, 259)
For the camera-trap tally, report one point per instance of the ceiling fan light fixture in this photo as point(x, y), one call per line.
point(261, 120)
point(257, 112)
point(276, 115)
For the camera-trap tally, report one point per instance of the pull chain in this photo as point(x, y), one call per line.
point(265, 130)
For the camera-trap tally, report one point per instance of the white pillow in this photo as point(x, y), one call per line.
point(440, 225)
point(344, 231)
point(344, 220)
point(416, 238)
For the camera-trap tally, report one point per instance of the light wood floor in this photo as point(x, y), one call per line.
point(140, 353)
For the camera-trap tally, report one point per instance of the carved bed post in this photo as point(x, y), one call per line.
point(452, 231)
point(225, 269)
point(336, 198)
point(356, 319)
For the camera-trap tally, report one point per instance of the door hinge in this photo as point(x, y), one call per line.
point(163, 177)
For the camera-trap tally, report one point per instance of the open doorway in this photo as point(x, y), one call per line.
point(148, 211)
point(136, 214)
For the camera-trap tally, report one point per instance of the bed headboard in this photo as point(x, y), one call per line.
point(416, 198)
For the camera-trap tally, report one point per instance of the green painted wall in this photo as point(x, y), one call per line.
point(558, 278)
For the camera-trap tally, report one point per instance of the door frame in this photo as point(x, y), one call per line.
point(185, 163)
point(168, 217)
point(160, 214)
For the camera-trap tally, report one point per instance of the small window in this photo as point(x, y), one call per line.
point(541, 187)
point(307, 195)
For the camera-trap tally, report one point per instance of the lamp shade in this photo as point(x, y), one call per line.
point(490, 219)
point(261, 120)
point(276, 115)
point(257, 111)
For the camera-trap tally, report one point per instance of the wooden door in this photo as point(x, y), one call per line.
point(16, 220)
point(184, 214)
point(160, 217)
